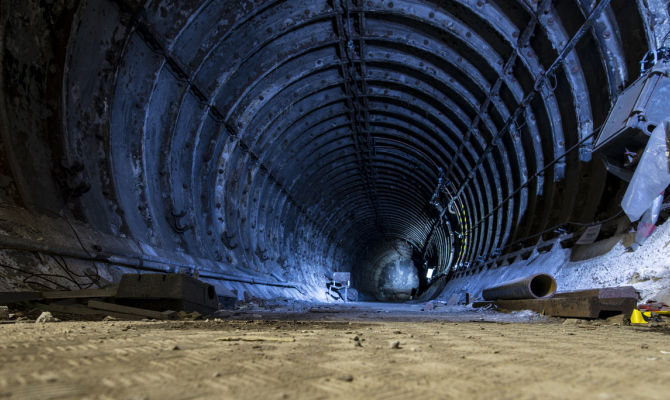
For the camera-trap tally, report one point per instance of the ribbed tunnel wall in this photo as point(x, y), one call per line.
point(301, 137)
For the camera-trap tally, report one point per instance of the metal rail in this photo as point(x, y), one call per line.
point(523, 40)
point(182, 72)
point(537, 89)
point(351, 46)
point(535, 176)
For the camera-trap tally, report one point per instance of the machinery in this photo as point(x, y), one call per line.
point(637, 112)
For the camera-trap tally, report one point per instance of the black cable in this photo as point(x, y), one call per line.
point(42, 276)
point(39, 275)
point(604, 221)
point(76, 235)
point(32, 283)
point(536, 175)
point(67, 271)
point(95, 278)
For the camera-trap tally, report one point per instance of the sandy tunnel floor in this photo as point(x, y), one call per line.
point(322, 359)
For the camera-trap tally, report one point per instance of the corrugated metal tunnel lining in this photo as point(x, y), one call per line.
point(300, 137)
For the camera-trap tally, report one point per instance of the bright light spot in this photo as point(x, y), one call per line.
point(429, 273)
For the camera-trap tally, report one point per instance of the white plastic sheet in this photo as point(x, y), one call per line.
point(652, 174)
point(647, 224)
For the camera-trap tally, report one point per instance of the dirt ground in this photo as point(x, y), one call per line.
point(325, 353)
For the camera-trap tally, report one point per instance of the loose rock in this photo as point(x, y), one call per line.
point(184, 316)
point(616, 320)
point(46, 317)
point(572, 321)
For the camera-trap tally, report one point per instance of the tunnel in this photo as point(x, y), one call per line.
point(408, 142)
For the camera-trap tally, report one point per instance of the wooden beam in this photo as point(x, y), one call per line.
point(78, 309)
point(162, 315)
point(586, 307)
point(79, 294)
point(603, 293)
point(18, 297)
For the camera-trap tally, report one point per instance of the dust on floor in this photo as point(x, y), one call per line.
point(318, 359)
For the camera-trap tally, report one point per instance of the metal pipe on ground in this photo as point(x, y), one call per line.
point(530, 287)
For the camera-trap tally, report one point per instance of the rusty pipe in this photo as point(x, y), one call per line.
point(530, 287)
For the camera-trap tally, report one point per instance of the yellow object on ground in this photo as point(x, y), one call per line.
point(638, 317)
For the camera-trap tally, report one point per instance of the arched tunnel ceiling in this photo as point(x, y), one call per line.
point(299, 136)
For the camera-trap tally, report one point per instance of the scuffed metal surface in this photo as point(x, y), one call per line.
point(290, 137)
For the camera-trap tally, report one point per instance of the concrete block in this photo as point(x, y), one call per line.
point(163, 292)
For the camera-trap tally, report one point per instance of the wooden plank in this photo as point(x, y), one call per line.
point(625, 305)
point(578, 293)
point(79, 294)
point(572, 307)
point(18, 297)
point(586, 307)
point(101, 305)
point(603, 293)
point(577, 304)
point(618, 292)
point(78, 309)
